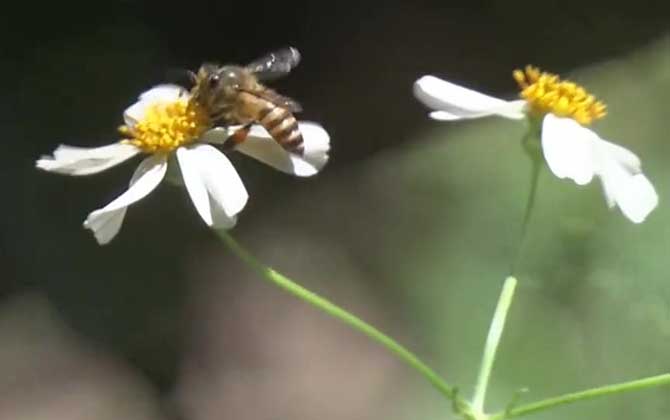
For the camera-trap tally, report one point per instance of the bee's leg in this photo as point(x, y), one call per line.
point(238, 137)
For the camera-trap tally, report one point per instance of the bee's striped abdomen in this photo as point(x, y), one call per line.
point(282, 126)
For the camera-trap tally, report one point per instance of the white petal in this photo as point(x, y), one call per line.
point(106, 222)
point(459, 102)
point(575, 152)
point(261, 146)
point(218, 135)
point(165, 92)
point(623, 183)
point(160, 93)
point(612, 159)
point(444, 116)
point(637, 198)
point(568, 149)
point(625, 157)
point(71, 160)
point(134, 113)
point(216, 189)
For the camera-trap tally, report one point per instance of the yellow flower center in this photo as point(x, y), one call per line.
point(547, 93)
point(167, 126)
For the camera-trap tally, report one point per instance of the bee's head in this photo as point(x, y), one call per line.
point(225, 80)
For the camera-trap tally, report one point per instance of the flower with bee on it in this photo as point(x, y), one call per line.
point(570, 149)
point(165, 122)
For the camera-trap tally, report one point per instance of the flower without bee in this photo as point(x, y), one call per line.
point(570, 149)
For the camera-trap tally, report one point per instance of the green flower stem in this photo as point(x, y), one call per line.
point(530, 205)
point(549, 403)
point(335, 311)
point(492, 341)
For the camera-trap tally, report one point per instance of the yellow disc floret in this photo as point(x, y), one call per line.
point(167, 125)
point(547, 93)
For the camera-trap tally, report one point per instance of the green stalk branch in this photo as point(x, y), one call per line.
point(492, 341)
point(335, 311)
point(524, 410)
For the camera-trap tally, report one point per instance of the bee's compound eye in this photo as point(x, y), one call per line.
point(214, 80)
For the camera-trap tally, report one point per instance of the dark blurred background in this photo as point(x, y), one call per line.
point(412, 224)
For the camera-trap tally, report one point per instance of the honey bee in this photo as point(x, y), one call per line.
point(234, 94)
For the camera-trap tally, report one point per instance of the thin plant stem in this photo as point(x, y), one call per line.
point(346, 317)
point(524, 410)
point(492, 341)
point(530, 205)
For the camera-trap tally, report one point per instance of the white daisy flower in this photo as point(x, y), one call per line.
point(164, 122)
point(570, 149)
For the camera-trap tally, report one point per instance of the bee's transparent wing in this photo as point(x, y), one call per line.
point(275, 64)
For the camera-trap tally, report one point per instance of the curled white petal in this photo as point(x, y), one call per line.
point(213, 184)
point(457, 102)
point(72, 160)
point(261, 146)
point(575, 152)
point(160, 93)
point(568, 149)
point(623, 182)
point(106, 222)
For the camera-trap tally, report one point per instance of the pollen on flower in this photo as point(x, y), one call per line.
point(167, 125)
point(547, 93)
